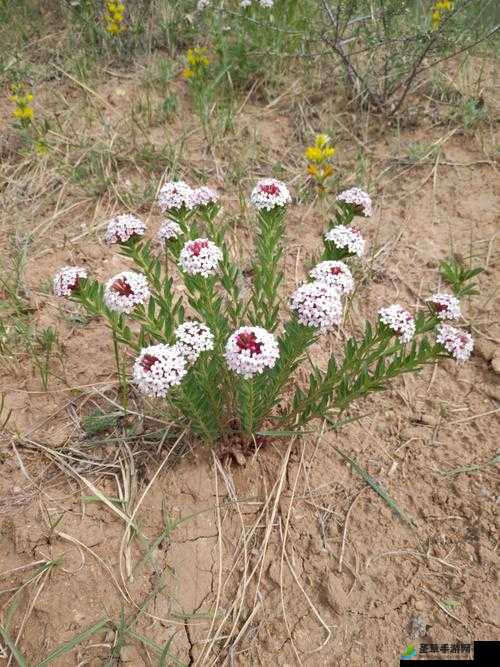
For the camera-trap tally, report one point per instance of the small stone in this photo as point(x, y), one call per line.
point(485, 349)
point(495, 363)
point(417, 625)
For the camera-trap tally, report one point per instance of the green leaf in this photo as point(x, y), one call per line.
point(12, 648)
point(70, 645)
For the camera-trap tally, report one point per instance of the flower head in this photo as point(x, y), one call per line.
point(125, 291)
point(200, 257)
point(176, 195)
point(204, 196)
point(202, 4)
point(124, 227)
point(359, 200)
point(335, 274)
point(158, 368)
point(317, 304)
point(193, 338)
point(197, 63)
point(457, 342)
point(22, 101)
point(446, 306)
point(67, 280)
point(347, 238)
point(169, 230)
point(250, 350)
point(399, 320)
point(115, 11)
point(269, 193)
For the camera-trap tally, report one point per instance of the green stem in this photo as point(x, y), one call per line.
point(121, 375)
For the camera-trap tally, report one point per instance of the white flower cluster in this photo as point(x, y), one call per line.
point(66, 279)
point(125, 291)
point(269, 193)
point(123, 227)
point(204, 196)
point(348, 238)
point(263, 3)
point(158, 368)
point(446, 306)
point(358, 199)
point(250, 350)
point(335, 274)
point(457, 342)
point(399, 320)
point(193, 338)
point(317, 305)
point(202, 4)
point(168, 231)
point(200, 257)
point(176, 195)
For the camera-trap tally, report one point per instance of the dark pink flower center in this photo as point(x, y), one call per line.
point(196, 247)
point(74, 284)
point(270, 189)
point(122, 287)
point(248, 341)
point(440, 306)
point(335, 270)
point(148, 361)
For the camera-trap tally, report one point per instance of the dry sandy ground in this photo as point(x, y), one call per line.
point(291, 558)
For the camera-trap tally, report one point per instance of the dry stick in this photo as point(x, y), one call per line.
point(244, 581)
point(130, 521)
point(285, 555)
point(219, 581)
point(29, 610)
point(344, 533)
point(443, 608)
point(75, 541)
point(210, 642)
point(278, 485)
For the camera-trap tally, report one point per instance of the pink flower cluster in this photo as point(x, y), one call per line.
point(358, 199)
point(269, 193)
point(455, 341)
point(178, 196)
point(125, 291)
point(317, 304)
point(169, 230)
point(347, 238)
point(399, 320)
point(124, 227)
point(159, 368)
point(250, 350)
point(200, 257)
point(67, 279)
point(446, 306)
point(193, 338)
point(336, 274)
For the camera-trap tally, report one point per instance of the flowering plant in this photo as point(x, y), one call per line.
point(216, 350)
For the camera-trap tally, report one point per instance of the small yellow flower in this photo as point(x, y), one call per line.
point(314, 154)
point(115, 17)
point(317, 157)
point(22, 109)
point(198, 62)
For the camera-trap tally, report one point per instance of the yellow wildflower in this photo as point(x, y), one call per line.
point(438, 8)
point(198, 63)
point(115, 17)
point(317, 157)
point(22, 110)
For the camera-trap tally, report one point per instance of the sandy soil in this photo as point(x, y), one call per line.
point(291, 558)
